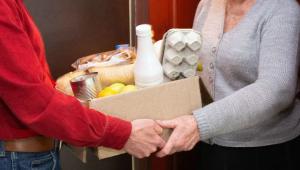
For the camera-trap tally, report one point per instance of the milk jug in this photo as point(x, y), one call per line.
point(148, 70)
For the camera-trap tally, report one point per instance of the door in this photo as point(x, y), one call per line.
point(167, 14)
point(164, 15)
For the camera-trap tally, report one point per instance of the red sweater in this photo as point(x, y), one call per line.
point(29, 104)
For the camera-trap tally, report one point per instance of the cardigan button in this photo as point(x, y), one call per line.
point(220, 36)
point(211, 80)
point(211, 66)
point(214, 50)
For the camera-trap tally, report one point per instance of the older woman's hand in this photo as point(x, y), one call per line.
point(184, 137)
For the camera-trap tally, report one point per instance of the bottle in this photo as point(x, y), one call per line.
point(148, 70)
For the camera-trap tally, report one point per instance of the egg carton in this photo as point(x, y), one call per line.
point(179, 53)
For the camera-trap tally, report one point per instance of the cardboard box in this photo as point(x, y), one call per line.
point(162, 102)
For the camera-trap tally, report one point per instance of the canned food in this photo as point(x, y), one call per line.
point(86, 87)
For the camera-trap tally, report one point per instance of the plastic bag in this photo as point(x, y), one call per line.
point(106, 59)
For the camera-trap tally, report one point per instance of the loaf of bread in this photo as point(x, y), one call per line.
point(114, 74)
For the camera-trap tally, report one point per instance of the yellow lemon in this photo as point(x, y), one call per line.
point(117, 87)
point(128, 88)
point(107, 92)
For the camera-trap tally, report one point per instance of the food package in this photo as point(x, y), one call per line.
point(114, 74)
point(106, 59)
point(112, 67)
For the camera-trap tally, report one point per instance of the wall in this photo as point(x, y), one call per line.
point(75, 28)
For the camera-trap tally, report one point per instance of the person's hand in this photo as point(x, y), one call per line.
point(184, 137)
point(144, 139)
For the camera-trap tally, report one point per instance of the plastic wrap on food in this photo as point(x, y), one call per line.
point(106, 59)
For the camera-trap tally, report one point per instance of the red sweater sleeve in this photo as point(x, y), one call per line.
point(38, 105)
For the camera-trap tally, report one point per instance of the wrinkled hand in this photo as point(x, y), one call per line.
point(144, 139)
point(184, 137)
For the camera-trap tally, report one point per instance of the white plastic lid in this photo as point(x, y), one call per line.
point(143, 30)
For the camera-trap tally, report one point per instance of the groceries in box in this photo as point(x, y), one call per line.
point(116, 72)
